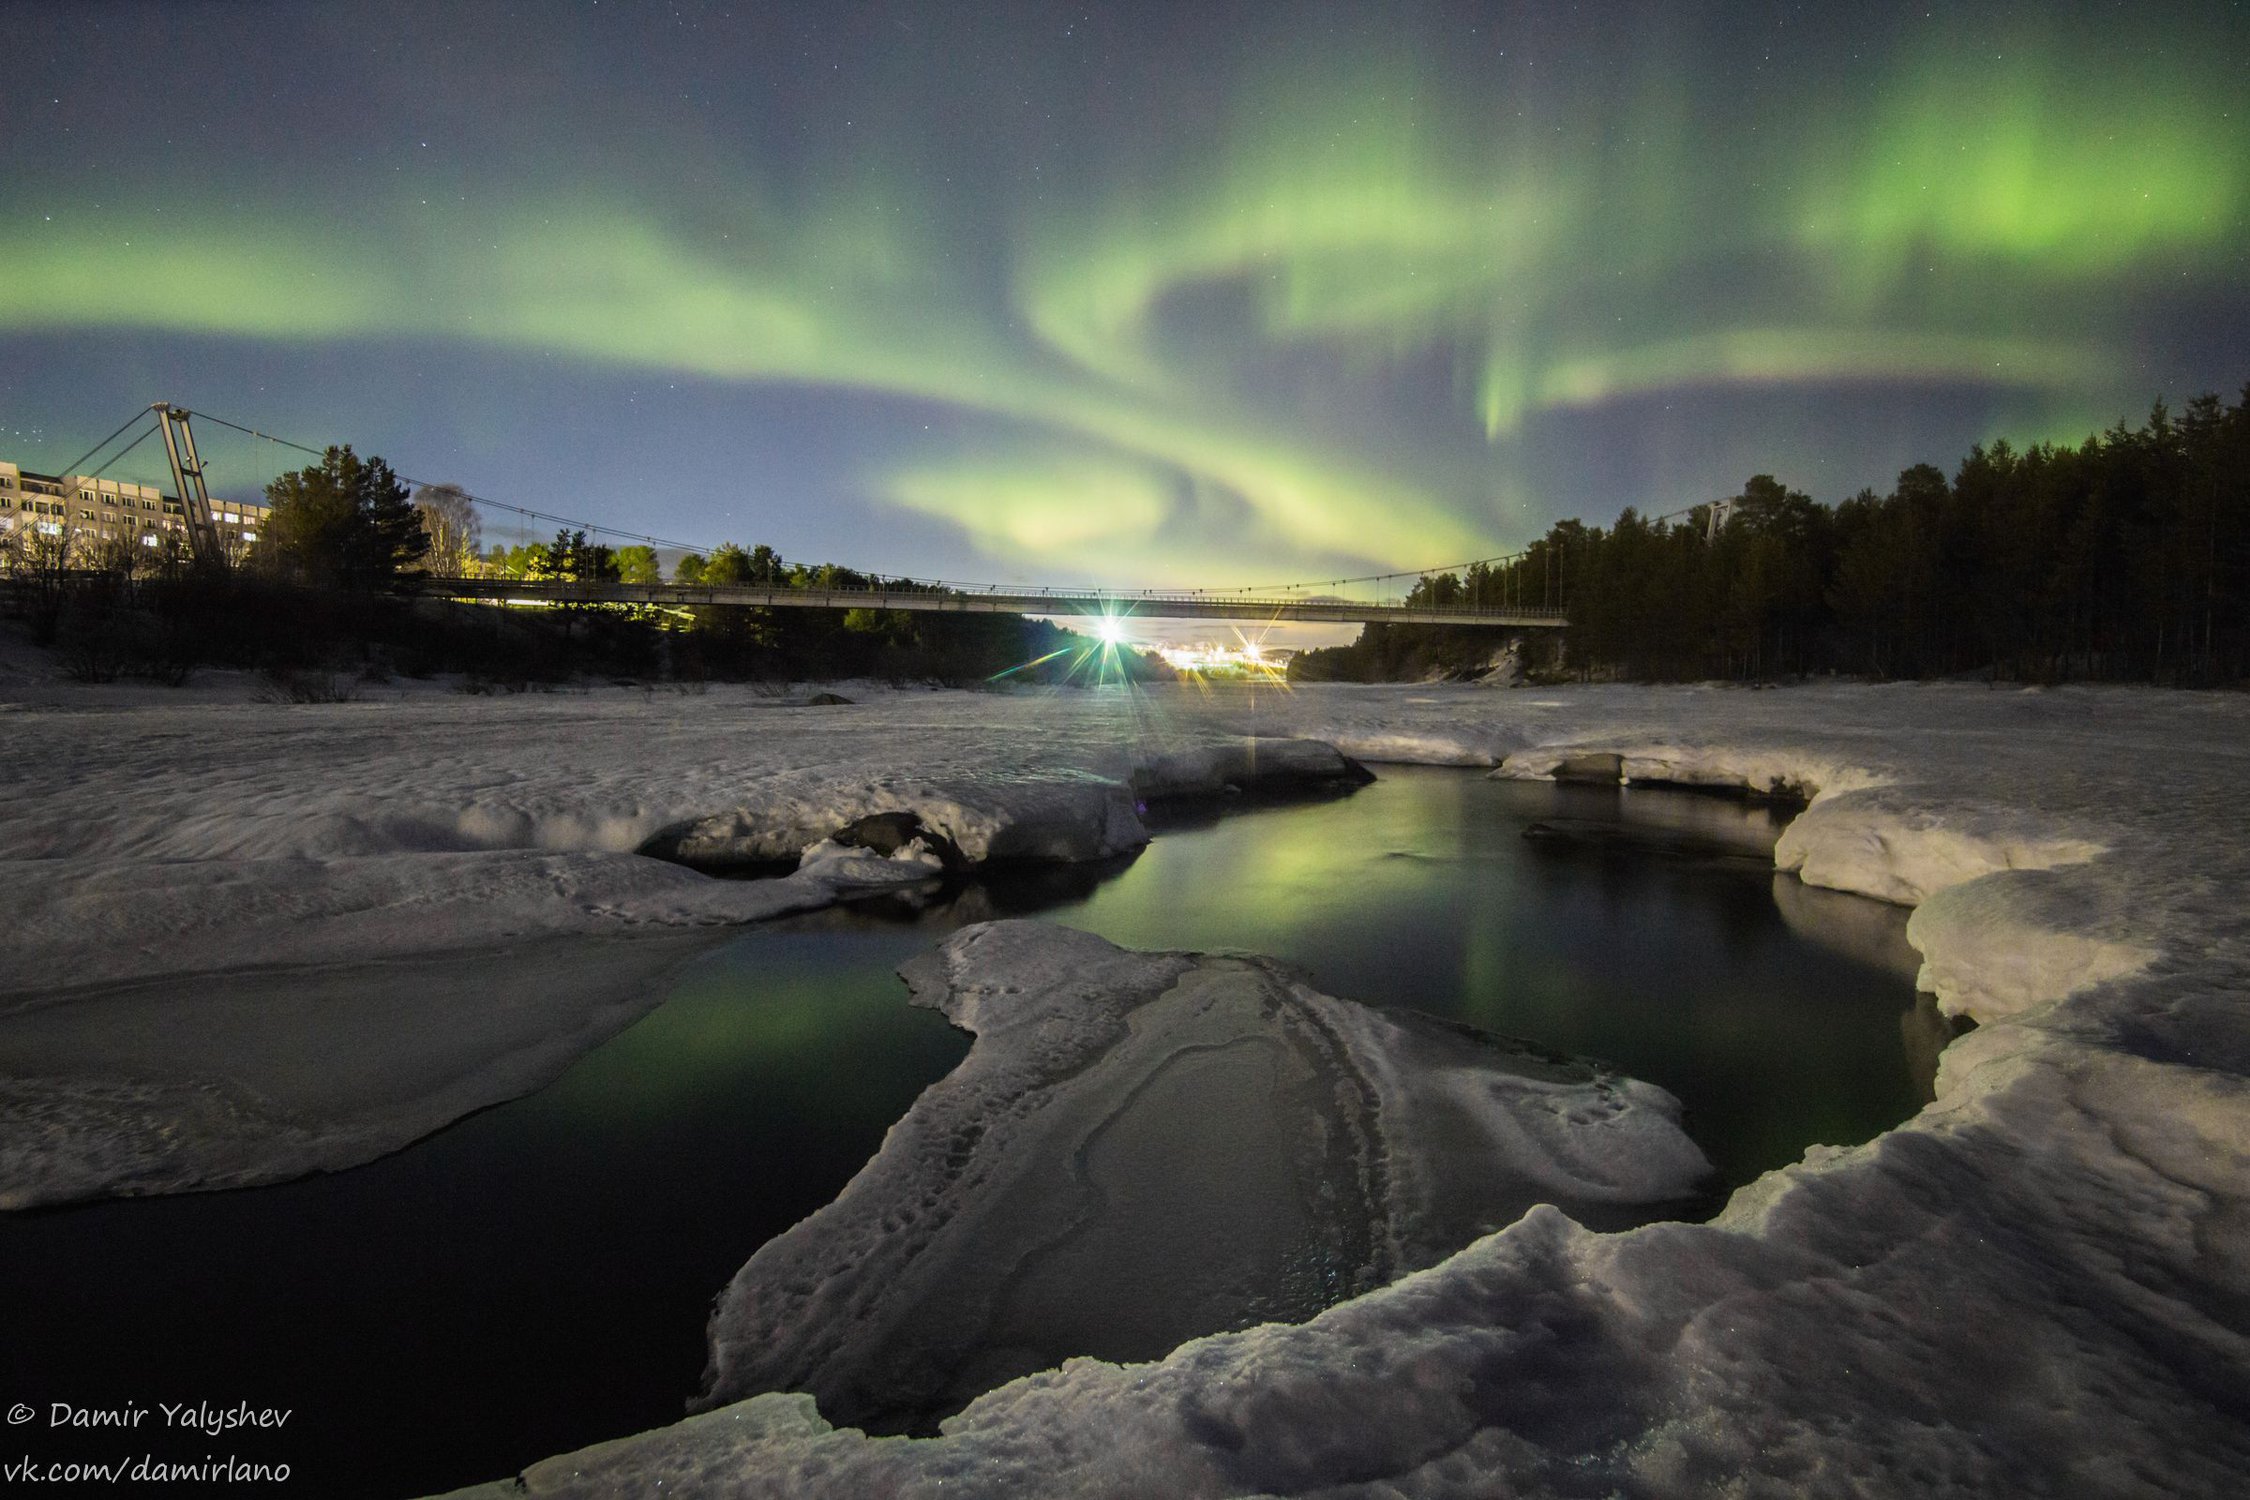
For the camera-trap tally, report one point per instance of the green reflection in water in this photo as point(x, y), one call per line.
point(776, 1019)
point(1421, 891)
point(532, 1279)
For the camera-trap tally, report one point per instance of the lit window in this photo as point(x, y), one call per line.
point(249, 536)
point(150, 540)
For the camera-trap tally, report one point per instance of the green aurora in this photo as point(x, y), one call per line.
point(1306, 293)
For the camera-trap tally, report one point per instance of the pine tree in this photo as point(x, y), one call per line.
point(346, 522)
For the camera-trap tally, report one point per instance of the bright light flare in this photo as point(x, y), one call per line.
point(1103, 652)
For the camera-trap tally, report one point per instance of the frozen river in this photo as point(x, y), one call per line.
point(538, 1275)
point(252, 941)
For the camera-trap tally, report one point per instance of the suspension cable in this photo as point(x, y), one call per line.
point(115, 457)
point(72, 468)
point(598, 529)
point(536, 515)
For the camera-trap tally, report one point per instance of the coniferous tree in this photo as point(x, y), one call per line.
point(345, 522)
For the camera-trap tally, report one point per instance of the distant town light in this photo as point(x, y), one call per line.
point(1209, 659)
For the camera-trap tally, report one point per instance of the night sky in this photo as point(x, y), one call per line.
point(1185, 294)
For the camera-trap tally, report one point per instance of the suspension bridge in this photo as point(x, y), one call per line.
point(1387, 597)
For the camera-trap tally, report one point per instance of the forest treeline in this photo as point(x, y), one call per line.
point(2126, 558)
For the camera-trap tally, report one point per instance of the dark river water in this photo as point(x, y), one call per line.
point(536, 1278)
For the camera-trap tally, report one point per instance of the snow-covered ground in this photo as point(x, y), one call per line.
point(250, 940)
point(2040, 1285)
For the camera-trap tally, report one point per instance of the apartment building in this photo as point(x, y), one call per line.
point(92, 511)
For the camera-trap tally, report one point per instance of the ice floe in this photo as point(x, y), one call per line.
point(1142, 1148)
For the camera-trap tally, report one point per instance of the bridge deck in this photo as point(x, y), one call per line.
point(1147, 604)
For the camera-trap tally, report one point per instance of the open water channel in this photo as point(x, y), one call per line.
point(537, 1277)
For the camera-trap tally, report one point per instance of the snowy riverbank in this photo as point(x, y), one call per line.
point(2037, 1286)
point(252, 940)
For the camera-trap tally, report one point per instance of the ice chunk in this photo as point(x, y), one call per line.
point(1248, 765)
point(1144, 1148)
point(1058, 817)
point(858, 866)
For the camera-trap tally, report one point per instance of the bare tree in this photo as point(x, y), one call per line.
point(37, 557)
point(450, 519)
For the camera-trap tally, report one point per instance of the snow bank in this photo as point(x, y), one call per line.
point(1141, 1148)
point(2000, 944)
point(1877, 842)
point(1992, 945)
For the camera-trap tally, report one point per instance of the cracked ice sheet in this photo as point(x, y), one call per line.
point(1145, 1147)
point(2038, 1286)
